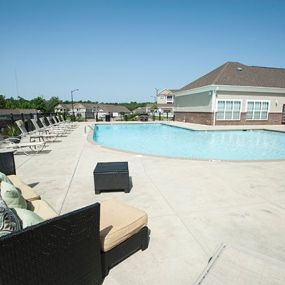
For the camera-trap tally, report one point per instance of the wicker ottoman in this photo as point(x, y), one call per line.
point(7, 162)
point(111, 176)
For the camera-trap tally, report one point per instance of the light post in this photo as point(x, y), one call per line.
point(155, 96)
point(96, 113)
point(156, 91)
point(73, 116)
point(155, 102)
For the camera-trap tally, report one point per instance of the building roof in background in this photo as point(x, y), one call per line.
point(62, 105)
point(140, 110)
point(17, 111)
point(238, 74)
point(79, 106)
point(166, 92)
point(106, 108)
point(114, 108)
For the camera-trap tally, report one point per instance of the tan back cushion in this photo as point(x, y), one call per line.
point(42, 209)
point(118, 222)
point(26, 191)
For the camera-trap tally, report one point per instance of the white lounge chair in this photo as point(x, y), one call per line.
point(62, 124)
point(59, 125)
point(68, 123)
point(27, 148)
point(34, 135)
point(52, 127)
point(48, 131)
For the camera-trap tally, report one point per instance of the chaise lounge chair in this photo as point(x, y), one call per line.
point(27, 148)
point(52, 127)
point(48, 131)
point(60, 124)
point(35, 134)
point(53, 121)
point(61, 120)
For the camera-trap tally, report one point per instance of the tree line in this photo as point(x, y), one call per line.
point(38, 103)
point(46, 106)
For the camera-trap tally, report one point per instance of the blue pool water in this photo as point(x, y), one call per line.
point(163, 140)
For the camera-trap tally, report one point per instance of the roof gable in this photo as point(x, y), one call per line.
point(166, 92)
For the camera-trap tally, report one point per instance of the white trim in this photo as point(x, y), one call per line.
point(233, 88)
point(228, 100)
point(252, 89)
point(260, 101)
point(195, 90)
point(213, 107)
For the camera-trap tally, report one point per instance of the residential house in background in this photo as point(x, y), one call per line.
point(79, 109)
point(62, 108)
point(165, 97)
point(116, 111)
point(234, 94)
point(90, 110)
point(165, 101)
point(144, 110)
point(140, 110)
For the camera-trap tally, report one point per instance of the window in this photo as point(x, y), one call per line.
point(228, 110)
point(169, 99)
point(257, 110)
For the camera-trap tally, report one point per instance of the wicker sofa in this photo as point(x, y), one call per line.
point(79, 247)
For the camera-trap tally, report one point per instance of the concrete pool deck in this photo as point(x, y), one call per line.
point(193, 207)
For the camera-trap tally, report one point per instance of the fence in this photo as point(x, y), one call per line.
point(9, 119)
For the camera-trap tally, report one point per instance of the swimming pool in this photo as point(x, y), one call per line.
point(164, 140)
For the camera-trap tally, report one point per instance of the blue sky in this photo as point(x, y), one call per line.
point(116, 51)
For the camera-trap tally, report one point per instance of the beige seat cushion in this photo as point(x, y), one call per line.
point(26, 191)
point(42, 209)
point(118, 222)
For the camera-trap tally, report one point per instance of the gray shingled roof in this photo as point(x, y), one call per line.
point(63, 105)
point(17, 111)
point(140, 110)
point(105, 107)
point(114, 108)
point(235, 73)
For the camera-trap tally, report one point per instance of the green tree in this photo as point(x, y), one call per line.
point(11, 103)
point(2, 102)
point(51, 103)
point(39, 103)
point(22, 103)
point(154, 107)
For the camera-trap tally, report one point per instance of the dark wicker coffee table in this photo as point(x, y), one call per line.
point(7, 162)
point(111, 176)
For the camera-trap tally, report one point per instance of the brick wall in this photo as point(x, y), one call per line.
point(273, 119)
point(207, 119)
point(204, 118)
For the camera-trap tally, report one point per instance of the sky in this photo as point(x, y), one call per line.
point(120, 51)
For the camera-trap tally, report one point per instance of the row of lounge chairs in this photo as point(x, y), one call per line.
point(35, 141)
